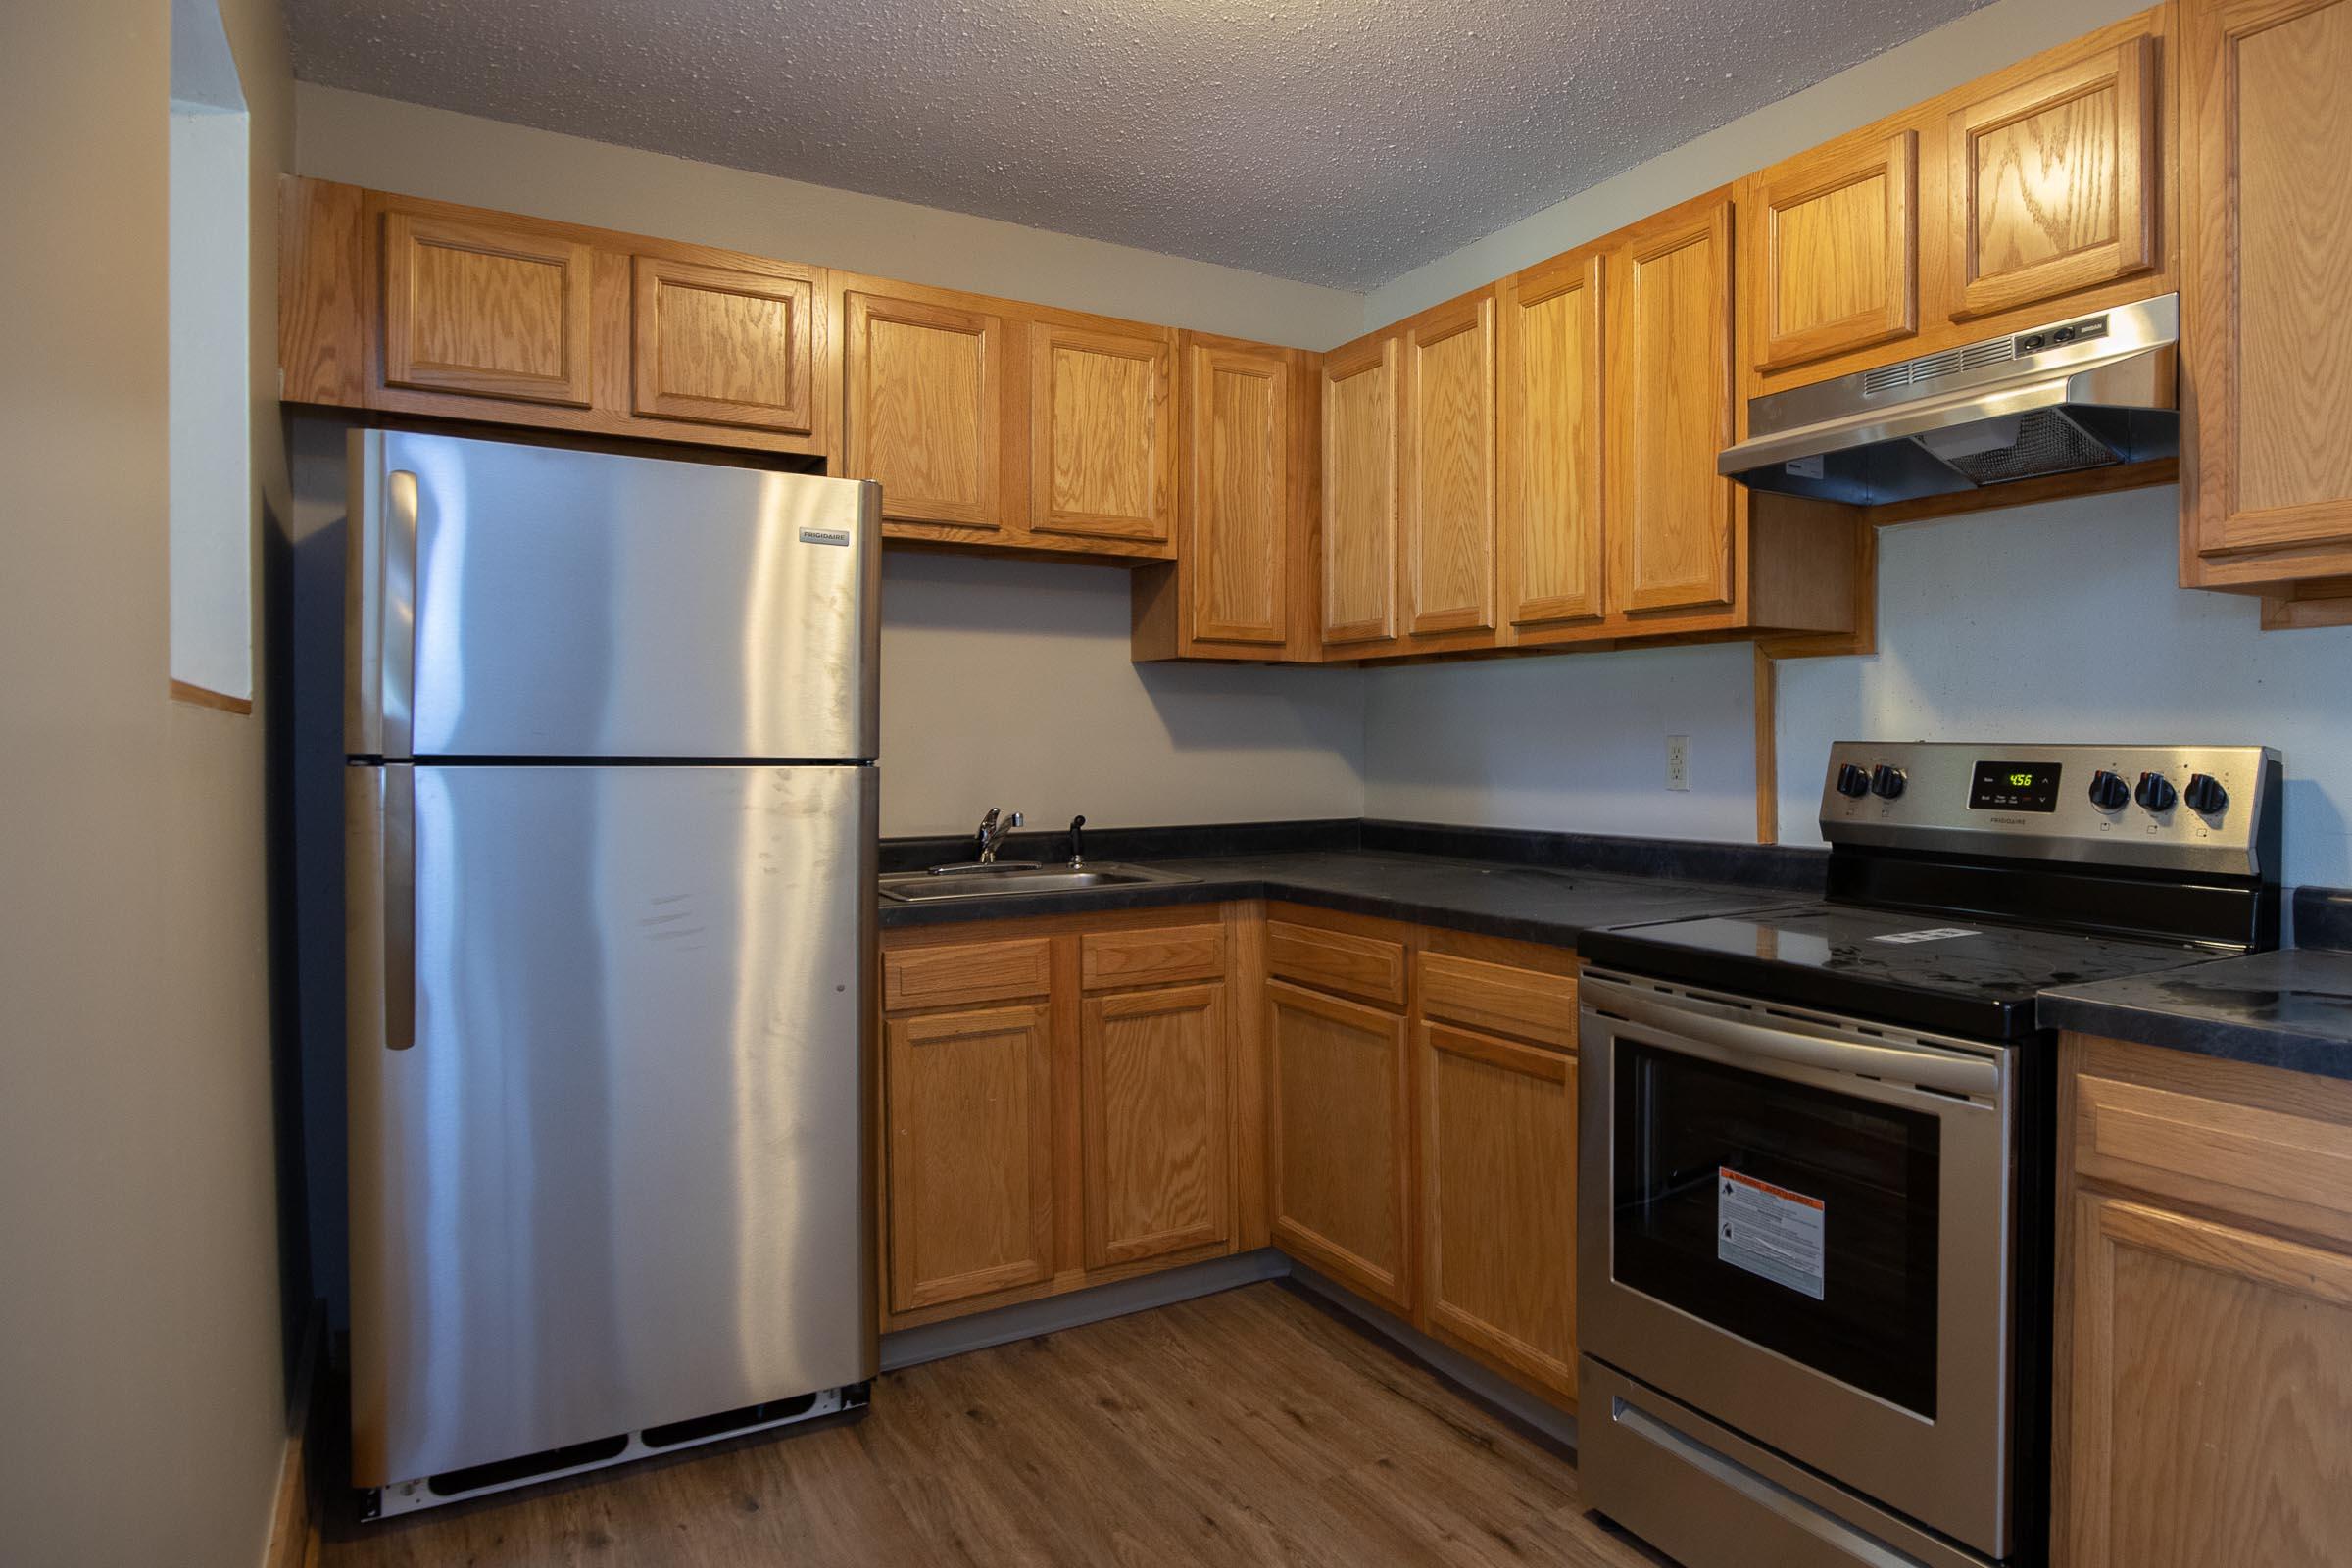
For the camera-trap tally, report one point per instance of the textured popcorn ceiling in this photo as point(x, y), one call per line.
point(1334, 141)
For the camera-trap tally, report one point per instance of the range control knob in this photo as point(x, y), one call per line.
point(1853, 781)
point(2108, 791)
point(2155, 792)
point(2204, 795)
point(1886, 782)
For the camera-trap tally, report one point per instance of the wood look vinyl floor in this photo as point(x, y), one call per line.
point(1249, 1427)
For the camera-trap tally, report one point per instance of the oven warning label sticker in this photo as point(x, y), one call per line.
point(1933, 933)
point(1770, 1231)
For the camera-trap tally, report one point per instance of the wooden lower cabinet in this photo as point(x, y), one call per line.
point(1153, 1108)
point(1499, 1202)
point(2205, 1314)
point(1339, 1140)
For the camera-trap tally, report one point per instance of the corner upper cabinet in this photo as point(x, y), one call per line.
point(1446, 525)
point(1360, 487)
point(924, 409)
point(1550, 447)
point(2266, 491)
point(1103, 439)
point(725, 345)
point(2054, 180)
point(1834, 250)
point(1671, 518)
point(486, 310)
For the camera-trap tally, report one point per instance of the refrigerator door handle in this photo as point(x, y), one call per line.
point(400, 907)
point(399, 608)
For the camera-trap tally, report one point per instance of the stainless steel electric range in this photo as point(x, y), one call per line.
point(1815, 1206)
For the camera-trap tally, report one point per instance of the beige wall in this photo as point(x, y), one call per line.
point(139, 1338)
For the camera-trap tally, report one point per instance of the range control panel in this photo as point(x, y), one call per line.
point(2206, 808)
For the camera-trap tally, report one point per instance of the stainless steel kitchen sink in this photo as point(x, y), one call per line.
point(998, 881)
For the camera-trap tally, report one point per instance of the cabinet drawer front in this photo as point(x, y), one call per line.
point(1335, 961)
point(2267, 1165)
point(1499, 999)
point(1150, 957)
point(969, 971)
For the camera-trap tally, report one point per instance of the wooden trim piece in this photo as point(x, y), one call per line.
point(2325, 602)
point(967, 972)
point(653, 277)
point(1811, 177)
point(195, 696)
point(1245, 931)
point(1768, 748)
point(322, 293)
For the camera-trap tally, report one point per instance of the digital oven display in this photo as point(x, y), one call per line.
point(2013, 787)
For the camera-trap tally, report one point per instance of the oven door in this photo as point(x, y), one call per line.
point(1802, 1226)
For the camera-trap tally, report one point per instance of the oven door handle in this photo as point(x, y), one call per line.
point(1899, 1063)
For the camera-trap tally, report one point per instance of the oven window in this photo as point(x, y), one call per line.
point(1838, 1197)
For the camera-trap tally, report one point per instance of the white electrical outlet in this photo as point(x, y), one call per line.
point(1678, 762)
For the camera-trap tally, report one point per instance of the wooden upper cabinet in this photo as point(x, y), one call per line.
point(1360, 482)
point(1835, 250)
point(925, 396)
point(1549, 443)
point(488, 311)
point(1446, 527)
point(2054, 182)
point(1154, 1117)
point(1671, 516)
point(1103, 439)
point(723, 345)
point(1238, 490)
point(968, 1104)
point(2266, 268)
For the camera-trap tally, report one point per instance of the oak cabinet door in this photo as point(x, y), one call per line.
point(1103, 439)
point(2266, 265)
point(1498, 1200)
point(925, 389)
point(968, 1096)
point(1238, 491)
point(722, 345)
point(1360, 485)
point(1338, 1141)
point(1671, 516)
point(2209, 1395)
point(2053, 183)
point(1446, 529)
point(1151, 1101)
point(1838, 243)
point(492, 312)
point(1549, 451)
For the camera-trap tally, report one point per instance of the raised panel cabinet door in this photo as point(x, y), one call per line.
point(2053, 183)
point(2208, 1396)
point(1152, 1103)
point(1446, 529)
point(1103, 438)
point(1237, 442)
point(924, 386)
point(498, 312)
point(1669, 410)
point(2266, 265)
point(722, 345)
point(1840, 241)
point(1360, 483)
point(1338, 1145)
point(1498, 1200)
point(1549, 452)
point(968, 1098)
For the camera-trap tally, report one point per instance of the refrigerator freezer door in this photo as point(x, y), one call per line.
point(619, 1179)
point(558, 603)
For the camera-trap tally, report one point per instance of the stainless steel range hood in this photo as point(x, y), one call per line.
point(2082, 393)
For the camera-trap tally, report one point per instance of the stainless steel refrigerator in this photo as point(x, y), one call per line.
point(611, 832)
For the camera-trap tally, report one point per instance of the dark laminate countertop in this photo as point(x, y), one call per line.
point(2291, 1008)
point(1535, 904)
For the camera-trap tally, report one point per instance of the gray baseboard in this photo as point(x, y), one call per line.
point(1052, 1313)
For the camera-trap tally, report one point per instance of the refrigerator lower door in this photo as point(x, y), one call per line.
point(619, 1178)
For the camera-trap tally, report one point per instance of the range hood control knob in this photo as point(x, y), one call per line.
point(1886, 782)
point(2205, 796)
point(2108, 791)
point(2155, 792)
point(1853, 782)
